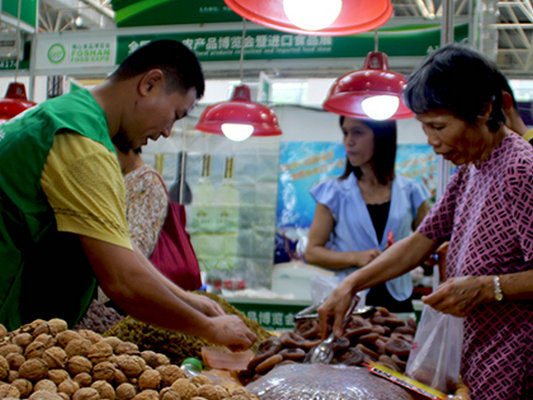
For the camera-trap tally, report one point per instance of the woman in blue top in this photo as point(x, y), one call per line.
point(357, 213)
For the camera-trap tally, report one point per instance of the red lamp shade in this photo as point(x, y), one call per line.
point(352, 16)
point(14, 102)
point(242, 111)
point(348, 93)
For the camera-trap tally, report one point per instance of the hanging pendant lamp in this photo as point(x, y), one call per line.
point(315, 17)
point(239, 118)
point(14, 102)
point(373, 92)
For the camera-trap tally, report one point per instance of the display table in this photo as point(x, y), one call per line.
point(271, 314)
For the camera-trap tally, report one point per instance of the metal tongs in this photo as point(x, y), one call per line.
point(323, 353)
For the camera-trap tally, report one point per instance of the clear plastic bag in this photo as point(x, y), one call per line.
point(435, 357)
point(324, 382)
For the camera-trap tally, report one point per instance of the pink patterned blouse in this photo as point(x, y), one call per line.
point(146, 207)
point(487, 214)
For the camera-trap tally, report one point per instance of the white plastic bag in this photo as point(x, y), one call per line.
point(435, 357)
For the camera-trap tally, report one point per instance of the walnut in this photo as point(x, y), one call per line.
point(64, 338)
point(212, 392)
point(45, 384)
point(239, 391)
point(105, 389)
point(78, 347)
point(22, 339)
point(185, 388)
point(84, 379)
point(125, 391)
point(119, 377)
point(44, 395)
point(86, 393)
point(4, 368)
point(99, 351)
point(239, 397)
point(68, 386)
point(150, 357)
point(55, 357)
point(33, 369)
point(12, 376)
point(47, 339)
point(147, 394)
point(199, 380)
point(78, 364)
point(63, 396)
point(170, 373)
point(132, 366)
point(104, 370)
point(39, 326)
point(3, 331)
point(15, 360)
point(10, 348)
point(9, 391)
point(58, 375)
point(162, 359)
point(149, 379)
point(197, 398)
point(57, 325)
point(92, 336)
point(169, 394)
point(112, 340)
point(24, 386)
point(34, 350)
point(126, 348)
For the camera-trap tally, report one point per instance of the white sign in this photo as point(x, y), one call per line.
point(62, 53)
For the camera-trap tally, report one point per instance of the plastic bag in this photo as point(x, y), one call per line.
point(324, 382)
point(435, 356)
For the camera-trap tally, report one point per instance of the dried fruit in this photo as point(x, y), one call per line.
point(125, 391)
point(55, 357)
point(149, 379)
point(68, 386)
point(86, 393)
point(105, 390)
point(45, 384)
point(78, 364)
point(24, 386)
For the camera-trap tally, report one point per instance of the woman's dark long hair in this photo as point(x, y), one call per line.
point(384, 158)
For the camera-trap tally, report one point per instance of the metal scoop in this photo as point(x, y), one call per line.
point(323, 353)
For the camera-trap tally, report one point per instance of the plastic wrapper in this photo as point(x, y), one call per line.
point(324, 382)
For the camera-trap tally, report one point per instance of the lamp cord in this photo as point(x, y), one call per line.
point(375, 40)
point(242, 50)
point(17, 33)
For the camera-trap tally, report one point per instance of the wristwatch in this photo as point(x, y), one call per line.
point(498, 294)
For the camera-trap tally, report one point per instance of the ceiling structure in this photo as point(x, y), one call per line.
point(506, 35)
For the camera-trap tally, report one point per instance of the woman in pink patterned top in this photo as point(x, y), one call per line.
point(485, 213)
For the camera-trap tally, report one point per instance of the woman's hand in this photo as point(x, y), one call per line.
point(230, 331)
point(459, 296)
point(335, 307)
point(361, 258)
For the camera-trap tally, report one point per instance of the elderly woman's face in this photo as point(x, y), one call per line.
point(451, 137)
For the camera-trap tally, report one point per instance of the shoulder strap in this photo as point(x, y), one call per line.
point(152, 171)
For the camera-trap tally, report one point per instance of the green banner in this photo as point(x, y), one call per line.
point(130, 13)
point(28, 10)
point(260, 44)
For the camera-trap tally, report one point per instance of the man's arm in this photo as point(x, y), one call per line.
point(141, 293)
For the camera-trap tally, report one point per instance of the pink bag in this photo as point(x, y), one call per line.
point(174, 255)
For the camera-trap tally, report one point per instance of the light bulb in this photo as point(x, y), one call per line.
point(312, 15)
point(380, 107)
point(237, 132)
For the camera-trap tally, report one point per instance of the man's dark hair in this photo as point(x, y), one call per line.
point(459, 79)
point(179, 64)
point(385, 133)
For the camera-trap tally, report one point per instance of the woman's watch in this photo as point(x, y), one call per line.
point(498, 293)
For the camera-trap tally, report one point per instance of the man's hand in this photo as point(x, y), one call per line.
point(231, 331)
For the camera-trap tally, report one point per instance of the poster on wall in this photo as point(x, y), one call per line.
point(305, 164)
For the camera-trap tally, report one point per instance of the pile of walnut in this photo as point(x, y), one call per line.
point(381, 337)
point(44, 360)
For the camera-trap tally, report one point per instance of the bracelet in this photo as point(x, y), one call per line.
point(498, 293)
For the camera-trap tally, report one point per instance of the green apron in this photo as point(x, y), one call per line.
point(43, 273)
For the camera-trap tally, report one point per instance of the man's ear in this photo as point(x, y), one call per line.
point(149, 80)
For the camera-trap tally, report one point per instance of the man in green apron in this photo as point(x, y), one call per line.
point(62, 212)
